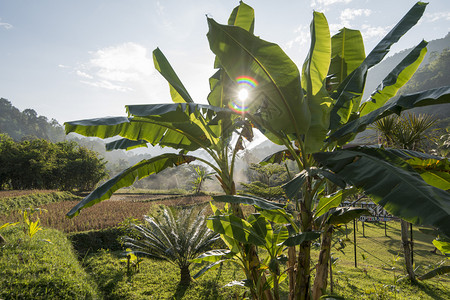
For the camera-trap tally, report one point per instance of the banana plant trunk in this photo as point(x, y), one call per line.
point(252, 254)
point(291, 272)
point(302, 284)
point(320, 282)
point(407, 249)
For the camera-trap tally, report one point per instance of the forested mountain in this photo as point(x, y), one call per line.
point(434, 74)
point(379, 72)
point(27, 124)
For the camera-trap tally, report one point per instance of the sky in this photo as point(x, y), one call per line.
point(72, 60)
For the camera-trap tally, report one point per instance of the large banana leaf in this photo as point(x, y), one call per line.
point(235, 228)
point(404, 102)
point(400, 75)
point(125, 144)
point(178, 92)
point(315, 70)
point(243, 16)
point(276, 101)
point(213, 256)
point(293, 186)
point(391, 183)
point(180, 126)
point(127, 177)
point(347, 53)
point(443, 246)
point(342, 215)
point(348, 94)
point(434, 170)
point(279, 157)
point(302, 237)
point(221, 86)
point(250, 200)
point(333, 200)
point(176, 135)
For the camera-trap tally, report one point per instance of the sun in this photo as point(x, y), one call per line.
point(243, 94)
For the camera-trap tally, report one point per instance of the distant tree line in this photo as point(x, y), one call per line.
point(26, 124)
point(40, 164)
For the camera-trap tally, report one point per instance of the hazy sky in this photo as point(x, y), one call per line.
point(81, 59)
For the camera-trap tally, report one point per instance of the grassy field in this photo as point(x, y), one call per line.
point(379, 260)
point(380, 264)
point(94, 235)
point(44, 267)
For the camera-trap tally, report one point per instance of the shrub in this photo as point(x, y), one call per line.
point(175, 238)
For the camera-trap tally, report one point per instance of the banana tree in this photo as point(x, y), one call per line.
point(272, 229)
point(240, 234)
point(322, 110)
point(184, 126)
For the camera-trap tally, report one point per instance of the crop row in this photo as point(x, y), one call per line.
point(31, 199)
point(104, 215)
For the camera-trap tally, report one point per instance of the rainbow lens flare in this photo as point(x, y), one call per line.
point(237, 107)
point(245, 83)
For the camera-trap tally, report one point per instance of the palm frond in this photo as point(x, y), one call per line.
point(177, 238)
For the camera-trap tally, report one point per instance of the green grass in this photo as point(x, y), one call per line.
point(374, 278)
point(11, 204)
point(157, 280)
point(380, 264)
point(37, 269)
point(44, 267)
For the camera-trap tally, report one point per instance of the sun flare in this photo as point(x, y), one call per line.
point(243, 94)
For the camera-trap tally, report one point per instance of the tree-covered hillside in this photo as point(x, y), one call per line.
point(379, 72)
point(27, 124)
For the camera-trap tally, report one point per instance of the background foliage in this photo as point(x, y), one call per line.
point(40, 164)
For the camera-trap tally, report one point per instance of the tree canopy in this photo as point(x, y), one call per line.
point(40, 164)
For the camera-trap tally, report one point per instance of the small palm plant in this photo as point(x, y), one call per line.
point(202, 175)
point(177, 238)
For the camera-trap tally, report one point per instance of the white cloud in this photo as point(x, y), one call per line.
point(85, 75)
point(320, 4)
point(5, 25)
point(346, 16)
point(117, 67)
point(351, 13)
point(107, 85)
point(438, 16)
point(368, 32)
point(302, 37)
